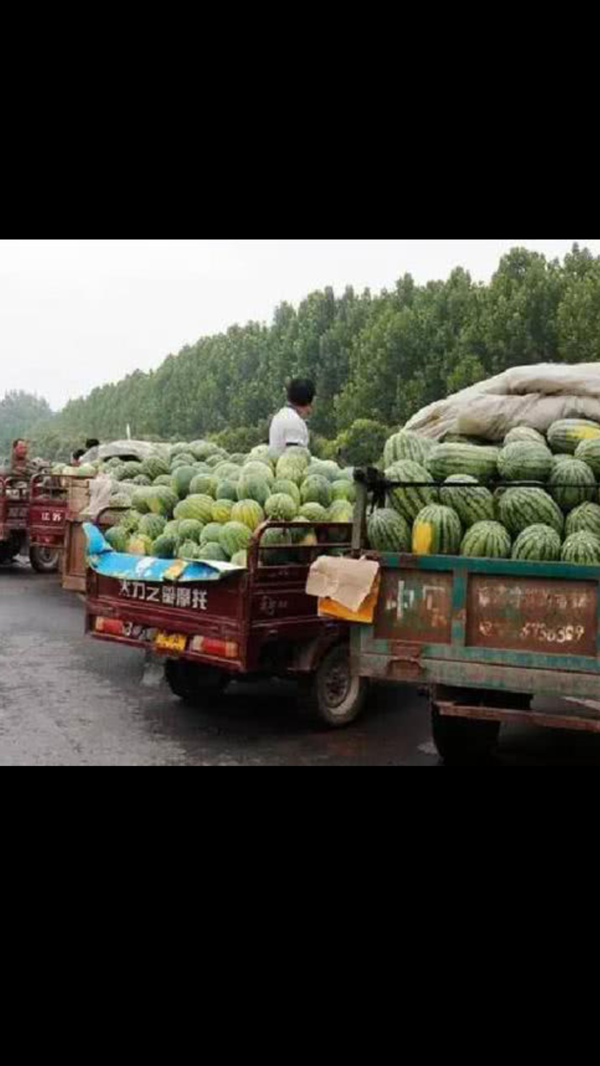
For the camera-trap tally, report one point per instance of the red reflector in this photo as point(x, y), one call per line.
point(111, 626)
point(221, 649)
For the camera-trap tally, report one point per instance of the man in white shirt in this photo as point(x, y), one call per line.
point(288, 428)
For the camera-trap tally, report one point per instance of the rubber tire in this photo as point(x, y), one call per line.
point(316, 695)
point(44, 564)
point(463, 740)
point(194, 683)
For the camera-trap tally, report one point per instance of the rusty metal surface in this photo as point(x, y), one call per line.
point(551, 617)
point(414, 607)
point(588, 723)
point(14, 506)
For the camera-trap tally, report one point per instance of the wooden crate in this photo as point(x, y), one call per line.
point(78, 496)
point(74, 556)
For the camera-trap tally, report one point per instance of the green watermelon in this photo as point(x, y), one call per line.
point(222, 511)
point(120, 499)
point(437, 531)
point(538, 543)
point(227, 490)
point(341, 511)
point(130, 521)
point(523, 507)
point(567, 435)
point(203, 449)
point(172, 529)
point(118, 538)
point(486, 540)
point(472, 502)
point(190, 529)
point(588, 452)
point(288, 488)
point(259, 470)
point(141, 479)
point(281, 508)
point(407, 445)
point(581, 549)
point(139, 545)
point(130, 470)
point(164, 547)
point(165, 481)
point(314, 512)
point(407, 499)
point(240, 559)
point(275, 537)
point(344, 490)
point(389, 532)
point(571, 484)
point(162, 501)
point(253, 487)
point(155, 467)
point(188, 550)
point(524, 435)
point(525, 461)
point(293, 466)
point(141, 499)
point(235, 537)
point(204, 485)
point(211, 534)
point(198, 507)
point(249, 513)
point(330, 470)
point(558, 459)
point(317, 489)
point(152, 526)
point(183, 477)
point(448, 459)
point(212, 553)
point(584, 519)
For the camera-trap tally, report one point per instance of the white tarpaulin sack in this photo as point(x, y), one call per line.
point(535, 396)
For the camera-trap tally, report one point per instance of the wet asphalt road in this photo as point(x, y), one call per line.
point(67, 700)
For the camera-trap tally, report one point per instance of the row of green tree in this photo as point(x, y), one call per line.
point(376, 358)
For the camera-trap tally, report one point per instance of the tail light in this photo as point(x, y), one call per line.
point(220, 649)
point(112, 627)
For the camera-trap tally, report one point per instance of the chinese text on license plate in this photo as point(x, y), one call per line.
point(175, 642)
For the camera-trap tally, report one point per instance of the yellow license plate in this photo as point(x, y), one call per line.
point(176, 642)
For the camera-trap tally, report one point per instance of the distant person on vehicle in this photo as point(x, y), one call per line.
point(289, 428)
point(77, 457)
point(19, 460)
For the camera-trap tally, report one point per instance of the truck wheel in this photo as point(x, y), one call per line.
point(332, 695)
point(44, 560)
point(463, 740)
point(194, 683)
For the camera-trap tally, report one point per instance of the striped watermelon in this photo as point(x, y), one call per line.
point(154, 468)
point(254, 487)
point(152, 526)
point(588, 452)
point(581, 549)
point(204, 485)
point(198, 507)
point(190, 529)
point(281, 508)
point(472, 504)
point(409, 500)
point(249, 513)
point(317, 489)
point(538, 544)
point(520, 508)
point(525, 462)
point(314, 512)
point(572, 483)
point(558, 459)
point(235, 537)
point(407, 445)
point(584, 519)
point(524, 435)
point(211, 534)
point(212, 553)
point(222, 511)
point(567, 435)
point(437, 531)
point(487, 540)
point(183, 477)
point(388, 531)
point(448, 459)
point(288, 488)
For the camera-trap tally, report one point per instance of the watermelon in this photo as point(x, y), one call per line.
point(227, 471)
point(152, 526)
point(275, 537)
point(139, 545)
point(472, 502)
point(588, 452)
point(198, 507)
point(253, 487)
point(437, 531)
point(486, 540)
point(161, 500)
point(341, 511)
point(183, 477)
point(187, 549)
point(558, 459)
point(524, 435)
point(130, 521)
point(538, 543)
point(130, 470)
point(141, 479)
point(314, 512)
point(525, 462)
point(211, 533)
point(582, 549)
point(448, 459)
point(141, 499)
point(262, 453)
point(249, 513)
point(118, 538)
point(155, 467)
point(226, 490)
point(172, 529)
point(317, 489)
point(389, 532)
point(293, 465)
point(330, 470)
point(183, 461)
point(344, 490)
point(240, 559)
point(260, 470)
point(584, 519)
point(409, 500)
point(120, 499)
point(407, 445)
point(165, 547)
point(567, 435)
point(281, 508)
point(523, 507)
point(572, 483)
point(166, 481)
point(235, 537)
point(202, 449)
point(204, 485)
point(288, 488)
point(222, 511)
point(190, 529)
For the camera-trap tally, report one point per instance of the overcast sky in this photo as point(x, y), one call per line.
point(79, 313)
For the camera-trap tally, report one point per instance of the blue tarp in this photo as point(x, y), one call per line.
point(109, 563)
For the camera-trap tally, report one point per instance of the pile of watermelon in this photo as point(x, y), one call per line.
point(531, 498)
point(203, 504)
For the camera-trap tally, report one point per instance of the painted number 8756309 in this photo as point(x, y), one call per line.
point(561, 635)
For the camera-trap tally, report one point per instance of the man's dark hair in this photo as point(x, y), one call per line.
point(79, 454)
point(301, 392)
point(92, 443)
